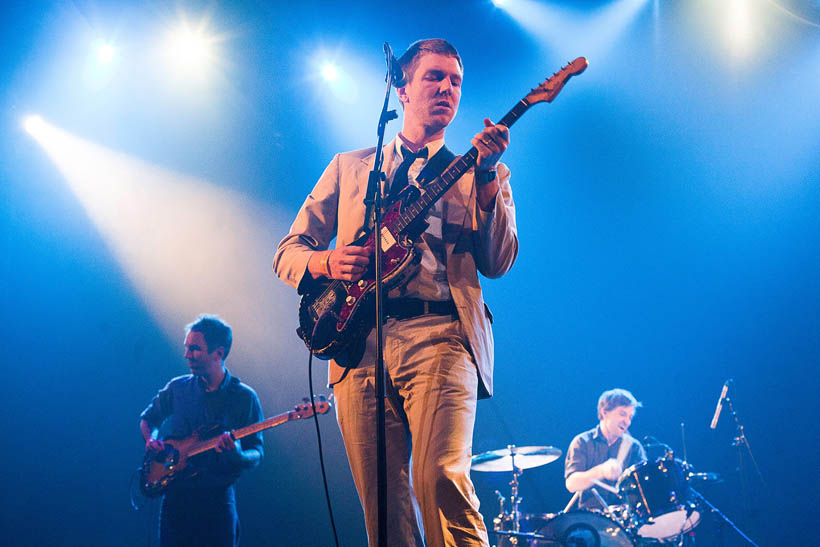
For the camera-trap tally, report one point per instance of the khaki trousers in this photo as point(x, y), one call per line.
point(431, 389)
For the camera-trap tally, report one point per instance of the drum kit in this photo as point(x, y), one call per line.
point(658, 505)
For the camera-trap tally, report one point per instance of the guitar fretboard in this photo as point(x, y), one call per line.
point(273, 421)
point(433, 191)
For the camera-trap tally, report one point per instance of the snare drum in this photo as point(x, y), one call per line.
point(585, 528)
point(658, 496)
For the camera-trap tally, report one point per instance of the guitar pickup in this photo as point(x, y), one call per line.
point(387, 239)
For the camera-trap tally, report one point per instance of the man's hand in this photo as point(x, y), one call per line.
point(348, 263)
point(226, 443)
point(611, 469)
point(154, 446)
point(491, 142)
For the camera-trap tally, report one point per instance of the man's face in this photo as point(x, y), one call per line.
point(432, 95)
point(615, 422)
point(199, 359)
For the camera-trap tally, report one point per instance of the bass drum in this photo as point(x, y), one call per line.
point(585, 528)
point(658, 497)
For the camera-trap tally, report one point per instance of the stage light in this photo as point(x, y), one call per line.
point(565, 31)
point(189, 46)
point(190, 51)
point(739, 27)
point(499, 3)
point(340, 82)
point(34, 125)
point(349, 86)
point(105, 53)
point(330, 73)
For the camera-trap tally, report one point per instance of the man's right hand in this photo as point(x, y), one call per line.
point(611, 469)
point(154, 446)
point(348, 263)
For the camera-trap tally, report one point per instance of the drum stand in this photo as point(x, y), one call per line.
point(504, 460)
point(514, 515)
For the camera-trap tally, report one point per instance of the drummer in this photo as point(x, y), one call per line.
point(596, 458)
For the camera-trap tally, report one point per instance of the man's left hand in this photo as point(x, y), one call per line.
point(491, 142)
point(226, 443)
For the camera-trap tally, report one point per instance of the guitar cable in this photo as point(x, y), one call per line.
point(319, 438)
point(137, 501)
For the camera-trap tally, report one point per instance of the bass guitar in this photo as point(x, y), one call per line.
point(334, 315)
point(161, 469)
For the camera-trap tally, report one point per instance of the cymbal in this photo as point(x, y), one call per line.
point(525, 457)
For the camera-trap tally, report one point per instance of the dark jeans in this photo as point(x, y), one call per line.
point(201, 517)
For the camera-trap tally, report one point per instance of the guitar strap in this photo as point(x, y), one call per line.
point(435, 166)
point(219, 409)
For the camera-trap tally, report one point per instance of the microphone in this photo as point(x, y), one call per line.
point(399, 78)
point(719, 407)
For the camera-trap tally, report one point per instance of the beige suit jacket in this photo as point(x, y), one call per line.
point(476, 241)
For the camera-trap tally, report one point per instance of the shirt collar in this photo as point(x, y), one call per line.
point(225, 381)
point(600, 434)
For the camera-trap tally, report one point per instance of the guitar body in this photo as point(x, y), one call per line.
point(334, 315)
point(159, 470)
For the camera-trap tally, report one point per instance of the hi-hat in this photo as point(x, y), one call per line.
point(524, 457)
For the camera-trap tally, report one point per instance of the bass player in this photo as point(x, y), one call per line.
point(201, 510)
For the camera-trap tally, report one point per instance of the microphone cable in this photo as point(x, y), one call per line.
point(319, 437)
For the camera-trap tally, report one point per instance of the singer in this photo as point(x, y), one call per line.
point(438, 341)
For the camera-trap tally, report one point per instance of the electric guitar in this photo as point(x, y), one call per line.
point(161, 469)
point(335, 314)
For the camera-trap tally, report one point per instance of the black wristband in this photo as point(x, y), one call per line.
point(485, 177)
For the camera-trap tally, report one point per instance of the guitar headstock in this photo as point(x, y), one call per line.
point(549, 88)
point(305, 409)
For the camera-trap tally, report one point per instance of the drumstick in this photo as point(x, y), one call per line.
point(574, 497)
point(605, 486)
point(599, 498)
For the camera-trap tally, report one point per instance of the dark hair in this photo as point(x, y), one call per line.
point(215, 331)
point(409, 59)
point(614, 398)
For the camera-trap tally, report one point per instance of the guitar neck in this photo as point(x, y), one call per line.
point(273, 421)
point(433, 191)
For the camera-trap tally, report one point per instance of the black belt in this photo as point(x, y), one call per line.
point(405, 308)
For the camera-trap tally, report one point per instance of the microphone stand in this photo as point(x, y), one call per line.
point(739, 441)
point(723, 517)
point(373, 204)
